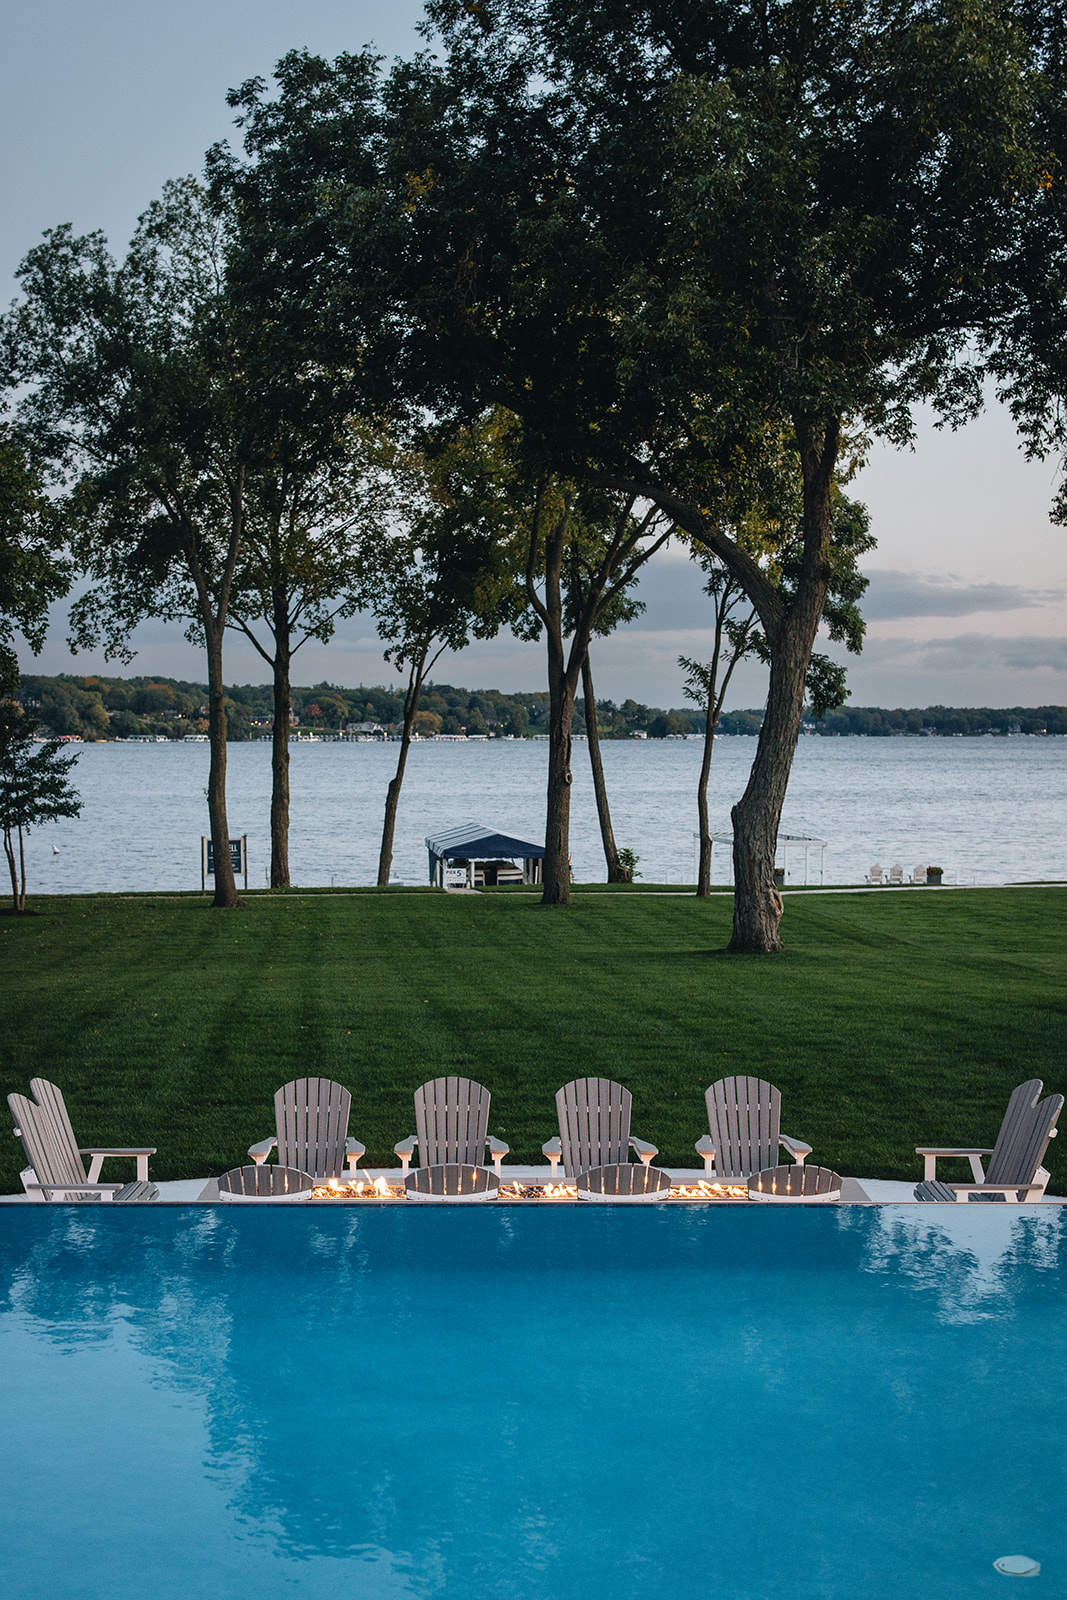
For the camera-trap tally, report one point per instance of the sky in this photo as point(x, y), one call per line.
point(967, 604)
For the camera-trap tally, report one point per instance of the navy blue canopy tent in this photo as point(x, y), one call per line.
point(488, 856)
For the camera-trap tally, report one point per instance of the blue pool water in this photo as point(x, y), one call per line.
point(569, 1404)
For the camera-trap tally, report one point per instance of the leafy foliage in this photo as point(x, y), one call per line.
point(33, 788)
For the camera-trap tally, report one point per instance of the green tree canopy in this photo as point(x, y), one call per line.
point(667, 238)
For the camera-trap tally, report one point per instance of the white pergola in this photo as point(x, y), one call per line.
point(786, 842)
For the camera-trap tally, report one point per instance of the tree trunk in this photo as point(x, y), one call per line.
point(392, 794)
point(703, 828)
point(9, 851)
point(757, 904)
point(279, 757)
point(617, 873)
point(225, 886)
point(562, 688)
point(557, 868)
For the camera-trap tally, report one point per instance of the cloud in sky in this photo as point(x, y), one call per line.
point(895, 595)
point(971, 652)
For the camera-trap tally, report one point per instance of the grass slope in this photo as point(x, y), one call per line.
point(891, 1020)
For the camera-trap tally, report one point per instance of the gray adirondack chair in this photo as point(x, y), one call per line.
point(451, 1122)
point(1015, 1172)
point(744, 1118)
point(56, 1168)
point(594, 1128)
point(311, 1129)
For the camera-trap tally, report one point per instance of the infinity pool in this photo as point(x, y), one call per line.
point(575, 1404)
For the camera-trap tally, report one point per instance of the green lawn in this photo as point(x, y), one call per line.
point(891, 1020)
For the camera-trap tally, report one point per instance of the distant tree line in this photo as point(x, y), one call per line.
point(96, 707)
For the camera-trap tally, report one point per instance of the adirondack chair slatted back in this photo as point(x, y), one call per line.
point(55, 1116)
point(52, 1156)
point(311, 1122)
point(1024, 1134)
point(594, 1124)
point(451, 1122)
point(744, 1117)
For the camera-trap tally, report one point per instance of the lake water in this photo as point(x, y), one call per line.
point(987, 810)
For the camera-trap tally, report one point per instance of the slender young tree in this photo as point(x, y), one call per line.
point(734, 622)
point(33, 789)
point(140, 403)
point(617, 871)
point(616, 538)
point(311, 518)
point(623, 608)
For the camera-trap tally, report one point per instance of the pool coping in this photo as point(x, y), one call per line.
point(854, 1191)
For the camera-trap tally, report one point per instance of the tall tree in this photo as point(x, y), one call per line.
point(140, 402)
point(311, 515)
point(195, 442)
point(612, 538)
point(776, 540)
point(772, 219)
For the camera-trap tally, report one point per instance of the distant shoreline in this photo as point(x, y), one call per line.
point(143, 708)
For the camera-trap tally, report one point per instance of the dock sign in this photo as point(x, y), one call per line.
point(238, 858)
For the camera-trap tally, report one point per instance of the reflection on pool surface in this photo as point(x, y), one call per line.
point(864, 1404)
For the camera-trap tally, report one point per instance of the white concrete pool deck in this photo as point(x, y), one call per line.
point(854, 1191)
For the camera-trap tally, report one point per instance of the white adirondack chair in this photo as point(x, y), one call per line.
point(744, 1119)
point(311, 1129)
point(1015, 1172)
point(451, 1123)
point(594, 1128)
point(56, 1170)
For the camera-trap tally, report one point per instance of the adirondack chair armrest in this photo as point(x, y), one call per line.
point(796, 1147)
point(260, 1152)
point(48, 1189)
point(645, 1151)
point(930, 1153)
point(405, 1150)
point(1011, 1191)
point(497, 1150)
point(553, 1150)
point(705, 1146)
point(98, 1152)
point(353, 1151)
